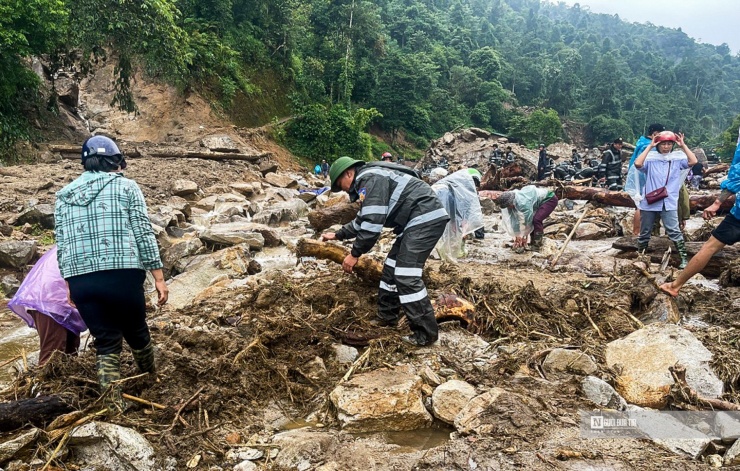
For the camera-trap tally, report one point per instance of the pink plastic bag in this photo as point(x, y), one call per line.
point(45, 291)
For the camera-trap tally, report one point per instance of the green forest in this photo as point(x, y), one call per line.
point(416, 68)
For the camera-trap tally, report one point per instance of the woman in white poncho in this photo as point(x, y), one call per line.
point(459, 195)
point(524, 211)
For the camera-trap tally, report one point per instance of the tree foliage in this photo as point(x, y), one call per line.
point(426, 66)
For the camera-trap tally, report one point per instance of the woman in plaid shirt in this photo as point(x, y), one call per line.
point(105, 245)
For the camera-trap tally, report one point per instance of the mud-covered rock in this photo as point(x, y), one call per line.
point(184, 187)
point(563, 360)
point(233, 233)
point(449, 398)
point(382, 400)
point(281, 180)
point(41, 214)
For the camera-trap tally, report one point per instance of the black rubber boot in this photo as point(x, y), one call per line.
point(537, 240)
point(144, 359)
point(642, 247)
point(681, 247)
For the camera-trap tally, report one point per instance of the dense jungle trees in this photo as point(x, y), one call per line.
point(419, 67)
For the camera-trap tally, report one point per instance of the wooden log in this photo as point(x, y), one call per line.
point(73, 152)
point(620, 198)
point(37, 411)
point(658, 245)
point(324, 218)
point(716, 169)
point(366, 268)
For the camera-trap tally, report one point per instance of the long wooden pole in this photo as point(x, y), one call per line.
point(572, 231)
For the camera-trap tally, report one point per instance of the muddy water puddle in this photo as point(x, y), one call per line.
point(408, 440)
point(15, 337)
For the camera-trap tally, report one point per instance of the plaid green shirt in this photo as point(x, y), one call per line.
point(102, 224)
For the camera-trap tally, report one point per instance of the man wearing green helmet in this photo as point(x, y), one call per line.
point(391, 197)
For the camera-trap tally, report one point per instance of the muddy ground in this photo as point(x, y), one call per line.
point(234, 365)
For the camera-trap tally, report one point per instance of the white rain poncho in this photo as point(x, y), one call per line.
point(518, 221)
point(635, 184)
point(458, 195)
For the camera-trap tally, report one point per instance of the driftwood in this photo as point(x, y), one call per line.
point(73, 152)
point(502, 178)
point(620, 198)
point(324, 218)
point(716, 169)
point(366, 268)
point(37, 411)
point(681, 392)
point(658, 245)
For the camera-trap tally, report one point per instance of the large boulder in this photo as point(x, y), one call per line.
point(382, 400)
point(16, 253)
point(202, 271)
point(180, 249)
point(642, 360)
point(450, 398)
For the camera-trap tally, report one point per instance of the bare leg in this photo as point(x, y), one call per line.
point(636, 223)
point(697, 263)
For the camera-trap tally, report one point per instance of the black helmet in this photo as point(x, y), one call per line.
point(101, 146)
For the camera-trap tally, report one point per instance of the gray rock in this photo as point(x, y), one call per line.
point(179, 203)
point(281, 180)
point(9, 284)
point(233, 234)
point(246, 466)
point(562, 360)
point(268, 166)
point(13, 448)
point(68, 91)
point(345, 354)
point(41, 214)
point(589, 231)
point(282, 212)
point(180, 249)
point(16, 253)
point(184, 187)
point(112, 447)
point(219, 143)
point(602, 394)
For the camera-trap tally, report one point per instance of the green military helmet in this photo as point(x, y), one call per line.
point(477, 177)
point(338, 168)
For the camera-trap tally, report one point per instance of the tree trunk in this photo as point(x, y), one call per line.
point(322, 219)
point(620, 198)
point(37, 411)
point(658, 245)
point(73, 152)
point(716, 169)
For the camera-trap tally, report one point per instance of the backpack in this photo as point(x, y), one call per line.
point(397, 167)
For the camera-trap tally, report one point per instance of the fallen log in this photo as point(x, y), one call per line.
point(324, 218)
point(658, 245)
point(716, 169)
point(73, 152)
point(620, 198)
point(366, 268)
point(37, 411)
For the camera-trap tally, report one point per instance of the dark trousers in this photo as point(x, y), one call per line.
point(112, 304)
point(401, 283)
point(52, 337)
point(541, 214)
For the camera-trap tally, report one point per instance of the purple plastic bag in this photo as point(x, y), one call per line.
point(45, 291)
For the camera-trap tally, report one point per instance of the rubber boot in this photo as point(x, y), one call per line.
point(642, 247)
point(144, 358)
point(681, 247)
point(109, 370)
point(537, 240)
